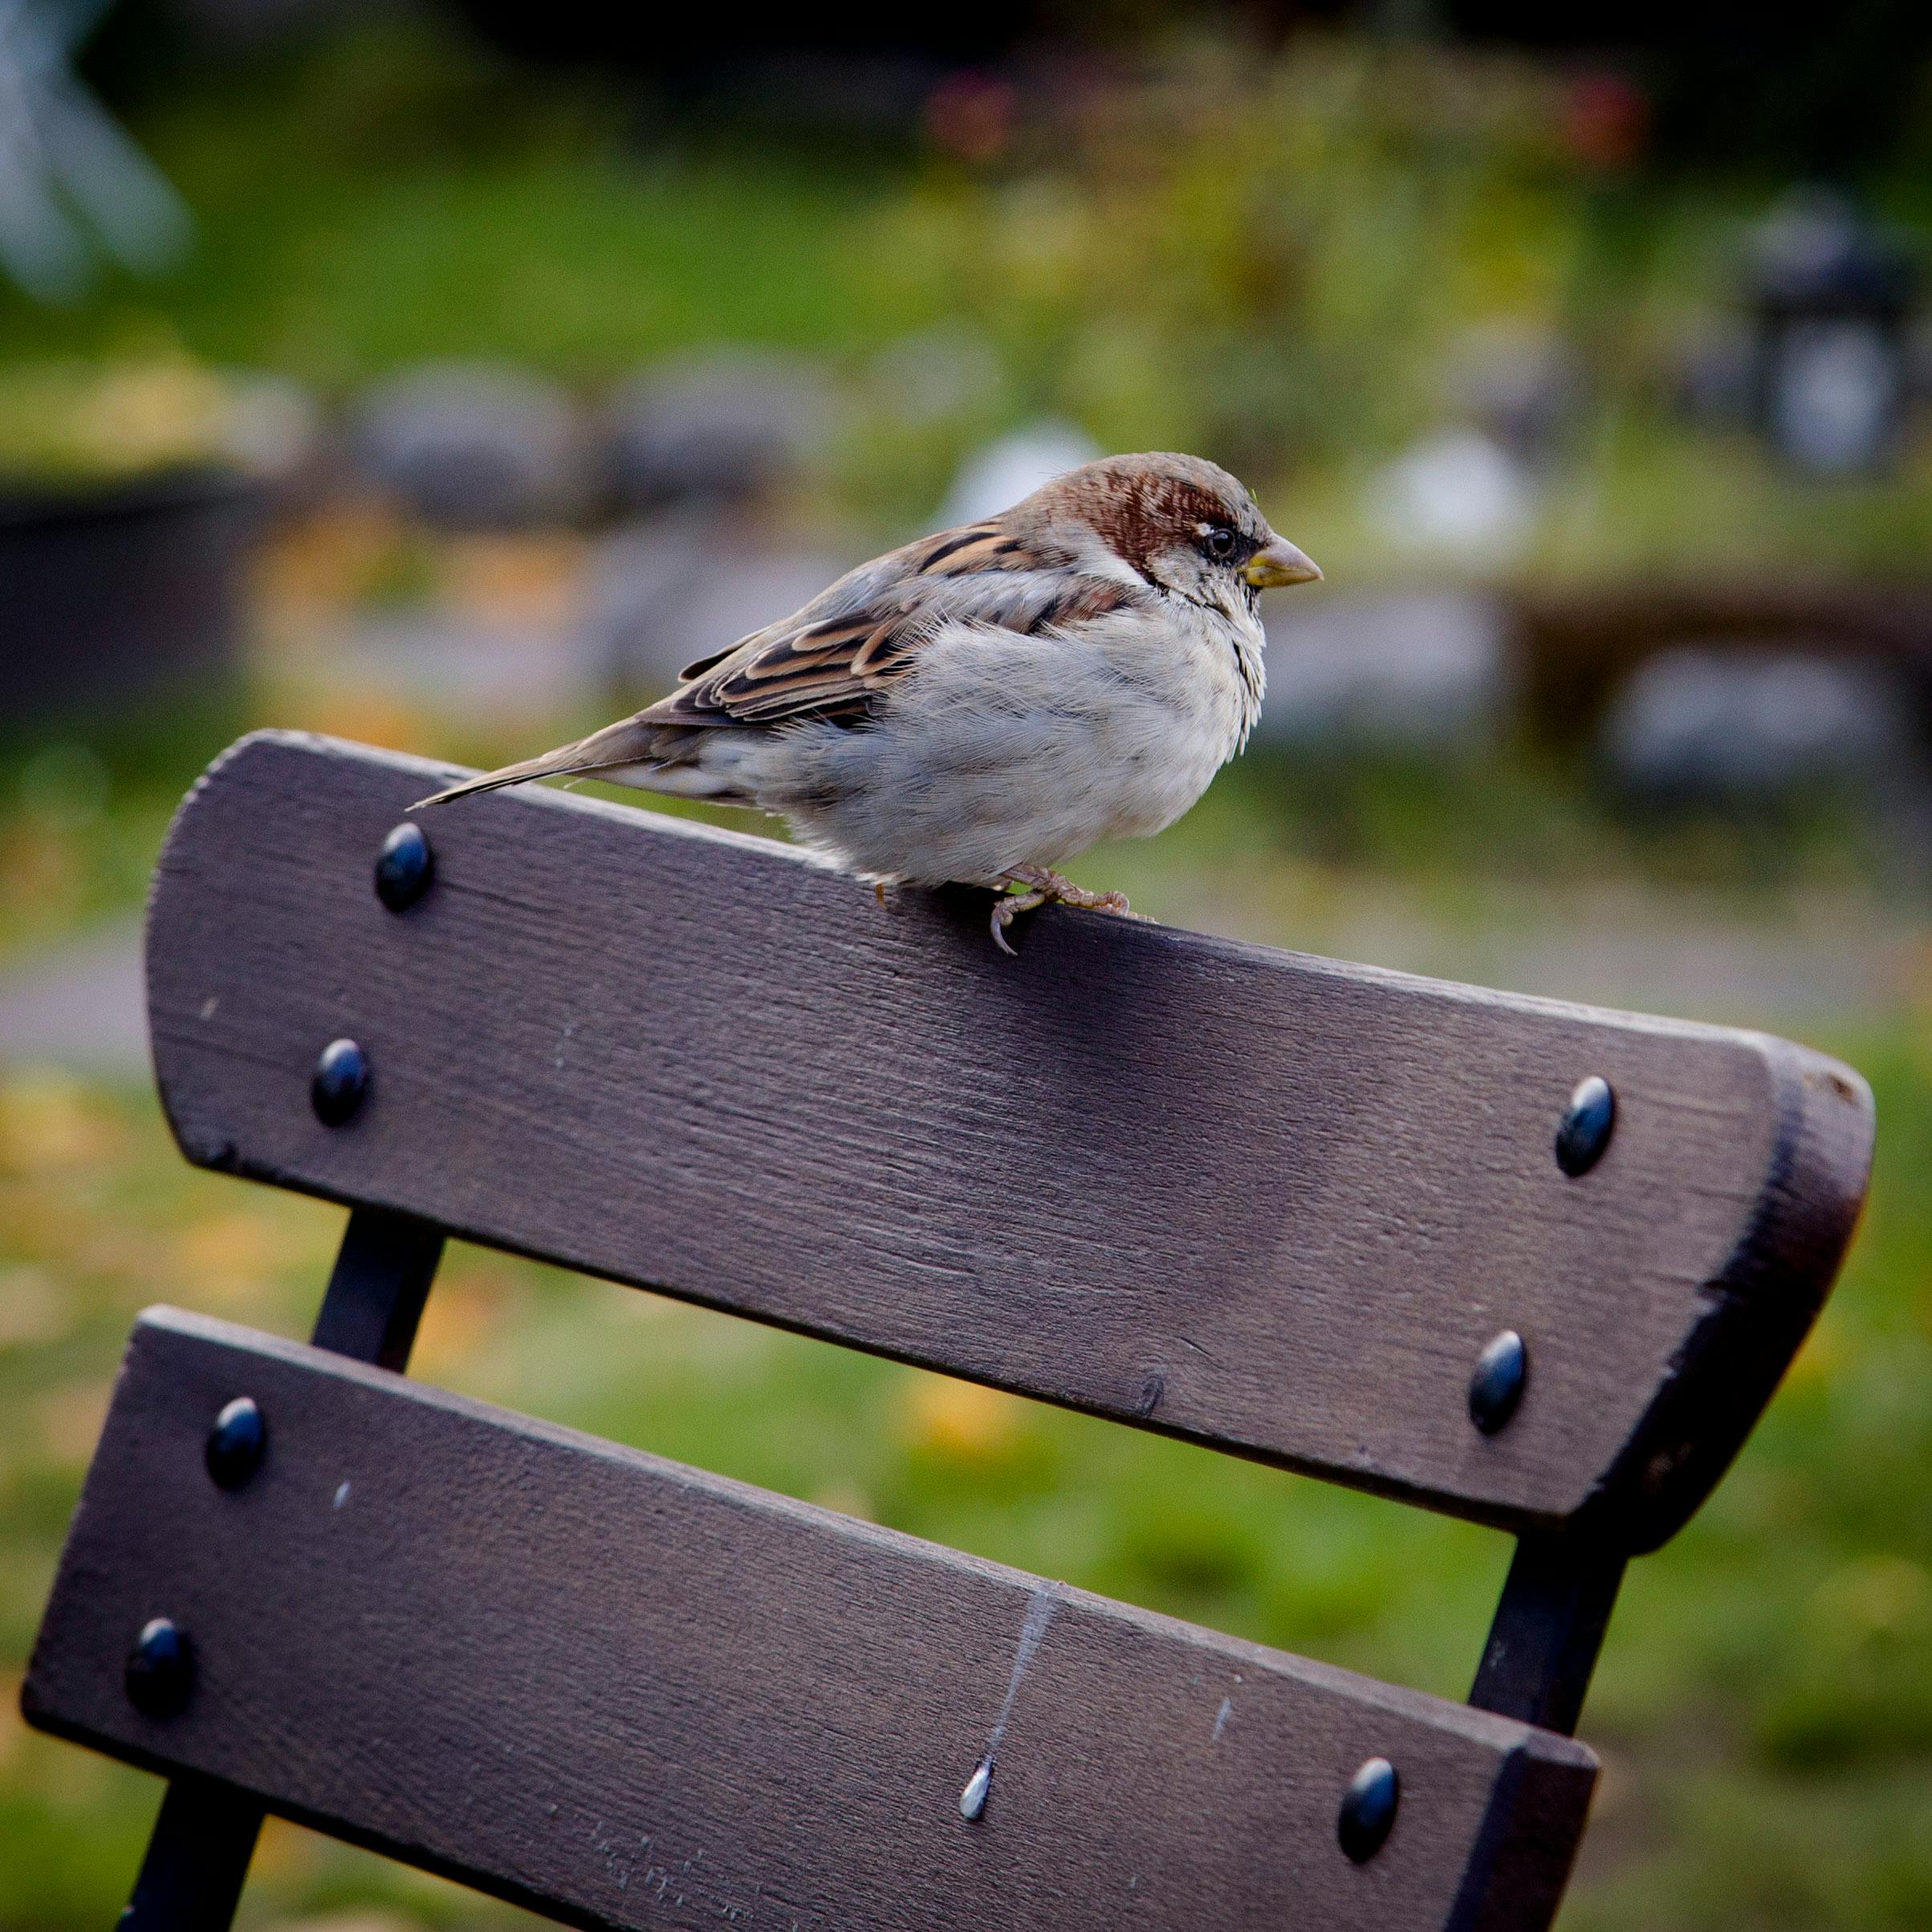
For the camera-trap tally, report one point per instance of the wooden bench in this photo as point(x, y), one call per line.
point(1533, 1264)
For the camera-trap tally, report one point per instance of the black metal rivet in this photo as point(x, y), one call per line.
point(342, 1078)
point(1496, 1387)
point(1583, 1132)
point(404, 870)
point(1368, 1810)
point(236, 1442)
point(161, 1669)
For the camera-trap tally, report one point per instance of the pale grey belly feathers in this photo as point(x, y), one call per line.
point(997, 751)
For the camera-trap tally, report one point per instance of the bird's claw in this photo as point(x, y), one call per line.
point(1041, 886)
point(1007, 908)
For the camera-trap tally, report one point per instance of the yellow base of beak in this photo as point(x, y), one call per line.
point(1278, 563)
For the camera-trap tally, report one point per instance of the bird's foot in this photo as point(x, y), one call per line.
point(1038, 886)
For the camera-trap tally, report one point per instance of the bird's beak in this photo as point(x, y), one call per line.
point(1279, 562)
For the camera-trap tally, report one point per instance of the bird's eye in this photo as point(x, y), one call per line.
point(1219, 542)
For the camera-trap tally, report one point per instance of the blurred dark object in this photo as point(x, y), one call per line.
point(1429, 671)
point(1521, 386)
point(726, 425)
point(1725, 83)
point(1578, 647)
point(686, 584)
point(652, 39)
point(1735, 725)
point(118, 594)
point(474, 446)
point(1832, 297)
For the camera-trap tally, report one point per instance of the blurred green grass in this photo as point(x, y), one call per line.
point(1764, 1706)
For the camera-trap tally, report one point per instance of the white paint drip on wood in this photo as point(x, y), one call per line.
point(1040, 1607)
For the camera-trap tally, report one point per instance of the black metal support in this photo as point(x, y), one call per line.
point(1547, 1630)
point(197, 1857)
point(376, 1296)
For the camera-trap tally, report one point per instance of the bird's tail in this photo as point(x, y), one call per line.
point(628, 742)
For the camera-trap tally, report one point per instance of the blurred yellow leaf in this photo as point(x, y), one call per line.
point(67, 1420)
point(286, 1851)
point(962, 1419)
point(224, 1258)
point(32, 1308)
point(464, 1310)
point(48, 1120)
point(520, 578)
point(369, 718)
point(13, 1726)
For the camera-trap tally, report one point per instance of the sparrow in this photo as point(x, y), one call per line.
point(981, 705)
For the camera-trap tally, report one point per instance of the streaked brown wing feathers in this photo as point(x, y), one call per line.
point(832, 664)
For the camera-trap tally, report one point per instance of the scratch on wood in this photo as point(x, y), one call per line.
point(1040, 1607)
point(1221, 1718)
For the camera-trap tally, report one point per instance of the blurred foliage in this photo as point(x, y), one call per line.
point(1286, 260)
point(78, 421)
point(1764, 1706)
point(1262, 258)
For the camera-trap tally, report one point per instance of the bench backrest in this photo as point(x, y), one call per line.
point(1535, 1264)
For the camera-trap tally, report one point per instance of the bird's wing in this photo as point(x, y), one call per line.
point(832, 659)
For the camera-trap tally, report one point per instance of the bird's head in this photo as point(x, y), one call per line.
point(1180, 523)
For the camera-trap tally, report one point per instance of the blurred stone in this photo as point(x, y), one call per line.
point(1519, 385)
point(1421, 670)
point(995, 477)
point(274, 426)
point(1709, 371)
point(1459, 496)
point(474, 445)
point(81, 1005)
point(1720, 723)
point(660, 596)
point(728, 425)
point(445, 661)
point(939, 375)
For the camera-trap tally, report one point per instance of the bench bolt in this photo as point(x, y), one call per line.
point(404, 868)
point(161, 1669)
point(1368, 1812)
point(342, 1078)
point(1583, 1132)
point(1496, 1387)
point(236, 1442)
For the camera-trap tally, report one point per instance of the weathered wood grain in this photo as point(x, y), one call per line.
point(631, 1695)
point(1269, 1201)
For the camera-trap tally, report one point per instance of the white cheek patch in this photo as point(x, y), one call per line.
point(1095, 558)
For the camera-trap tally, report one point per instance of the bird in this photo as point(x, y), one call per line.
point(981, 706)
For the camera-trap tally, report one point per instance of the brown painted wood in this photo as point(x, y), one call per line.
point(632, 1694)
point(1268, 1202)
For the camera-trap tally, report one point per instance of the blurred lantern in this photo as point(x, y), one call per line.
point(972, 117)
point(1833, 296)
point(1606, 119)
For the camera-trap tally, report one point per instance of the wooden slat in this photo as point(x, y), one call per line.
point(632, 1694)
point(1268, 1202)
